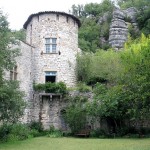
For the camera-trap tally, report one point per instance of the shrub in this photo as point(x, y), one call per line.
point(20, 130)
point(36, 126)
point(35, 133)
point(76, 114)
point(54, 133)
point(14, 132)
point(82, 87)
point(49, 87)
point(4, 132)
point(100, 133)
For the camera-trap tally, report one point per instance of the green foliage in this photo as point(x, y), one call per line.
point(75, 114)
point(99, 133)
point(11, 102)
point(89, 35)
point(95, 9)
point(54, 133)
point(7, 56)
point(4, 131)
point(101, 66)
point(21, 131)
point(36, 126)
point(132, 31)
point(90, 31)
point(133, 3)
point(14, 132)
point(82, 87)
point(126, 97)
point(143, 15)
point(49, 87)
point(143, 19)
point(83, 67)
point(93, 80)
point(19, 35)
point(122, 82)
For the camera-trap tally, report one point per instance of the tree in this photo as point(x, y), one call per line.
point(90, 30)
point(20, 35)
point(11, 102)
point(89, 35)
point(128, 97)
point(140, 5)
point(125, 95)
point(75, 113)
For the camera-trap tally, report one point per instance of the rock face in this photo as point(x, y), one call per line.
point(119, 28)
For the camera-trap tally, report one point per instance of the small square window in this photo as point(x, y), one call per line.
point(50, 76)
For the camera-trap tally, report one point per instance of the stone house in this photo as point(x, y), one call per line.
point(48, 55)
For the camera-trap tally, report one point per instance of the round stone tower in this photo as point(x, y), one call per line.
point(55, 38)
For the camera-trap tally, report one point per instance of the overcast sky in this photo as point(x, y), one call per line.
point(19, 10)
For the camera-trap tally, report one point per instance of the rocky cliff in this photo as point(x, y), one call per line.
point(119, 27)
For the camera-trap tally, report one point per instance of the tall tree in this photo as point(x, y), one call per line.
point(11, 102)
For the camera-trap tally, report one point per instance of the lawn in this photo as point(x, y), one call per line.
point(46, 143)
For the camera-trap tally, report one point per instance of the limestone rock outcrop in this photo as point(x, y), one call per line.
point(118, 32)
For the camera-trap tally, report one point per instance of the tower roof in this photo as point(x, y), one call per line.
point(50, 12)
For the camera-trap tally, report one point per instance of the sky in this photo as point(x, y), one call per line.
point(19, 10)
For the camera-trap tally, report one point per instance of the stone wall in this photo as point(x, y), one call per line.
point(34, 62)
point(65, 29)
point(24, 75)
point(48, 109)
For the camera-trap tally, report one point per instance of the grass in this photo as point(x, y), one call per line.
point(46, 143)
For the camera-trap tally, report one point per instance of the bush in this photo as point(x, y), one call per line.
point(49, 87)
point(100, 133)
point(94, 80)
point(14, 132)
point(76, 114)
point(21, 131)
point(82, 87)
point(36, 126)
point(35, 133)
point(4, 132)
point(54, 133)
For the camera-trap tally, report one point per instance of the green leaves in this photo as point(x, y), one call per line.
point(126, 92)
point(75, 114)
point(11, 102)
point(49, 87)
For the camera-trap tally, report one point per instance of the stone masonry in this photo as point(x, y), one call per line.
point(35, 61)
point(64, 28)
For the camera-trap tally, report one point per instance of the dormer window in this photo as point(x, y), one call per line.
point(50, 45)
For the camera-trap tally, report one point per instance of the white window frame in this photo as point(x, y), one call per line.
point(50, 73)
point(50, 45)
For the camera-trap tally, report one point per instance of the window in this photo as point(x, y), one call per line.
point(50, 76)
point(50, 45)
point(13, 73)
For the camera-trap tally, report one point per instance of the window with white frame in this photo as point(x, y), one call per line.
point(50, 45)
point(50, 76)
